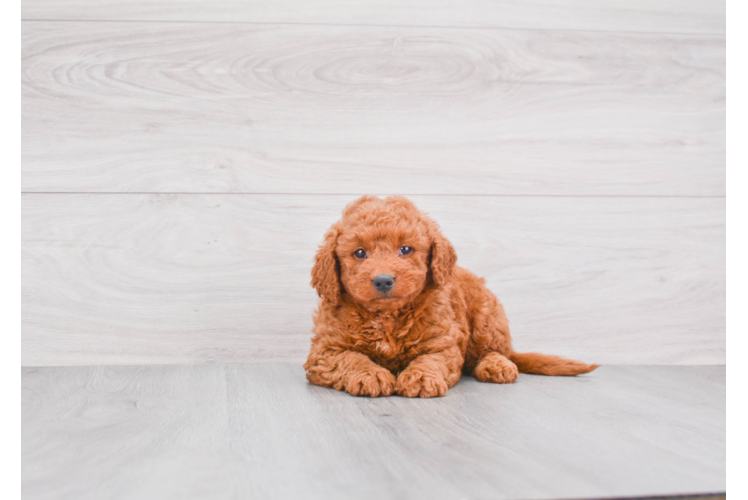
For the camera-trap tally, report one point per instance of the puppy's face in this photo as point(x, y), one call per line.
point(382, 254)
point(384, 257)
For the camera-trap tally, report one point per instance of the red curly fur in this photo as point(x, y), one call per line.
point(415, 340)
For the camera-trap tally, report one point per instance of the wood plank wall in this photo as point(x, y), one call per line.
point(181, 162)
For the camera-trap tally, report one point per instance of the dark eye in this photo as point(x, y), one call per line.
point(360, 253)
point(405, 250)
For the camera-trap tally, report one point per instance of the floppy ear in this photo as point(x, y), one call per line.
point(326, 270)
point(443, 255)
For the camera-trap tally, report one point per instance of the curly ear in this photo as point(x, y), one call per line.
point(326, 270)
point(443, 255)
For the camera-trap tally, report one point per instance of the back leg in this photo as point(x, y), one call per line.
point(496, 368)
point(490, 343)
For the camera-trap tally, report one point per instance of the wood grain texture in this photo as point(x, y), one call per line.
point(138, 279)
point(686, 16)
point(737, 431)
point(169, 107)
point(260, 431)
point(141, 432)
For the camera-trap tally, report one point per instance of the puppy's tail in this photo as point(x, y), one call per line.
point(542, 364)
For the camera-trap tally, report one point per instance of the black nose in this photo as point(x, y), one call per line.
point(384, 283)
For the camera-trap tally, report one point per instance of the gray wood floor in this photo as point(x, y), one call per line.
point(260, 431)
point(737, 433)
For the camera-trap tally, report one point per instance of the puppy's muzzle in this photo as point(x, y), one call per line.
point(383, 283)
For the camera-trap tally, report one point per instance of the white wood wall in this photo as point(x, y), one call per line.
point(182, 160)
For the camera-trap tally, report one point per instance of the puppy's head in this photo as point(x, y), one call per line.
point(382, 254)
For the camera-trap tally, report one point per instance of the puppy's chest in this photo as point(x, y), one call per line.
point(387, 342)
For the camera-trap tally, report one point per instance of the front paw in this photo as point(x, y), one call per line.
point(415, 382)
point(373, 383)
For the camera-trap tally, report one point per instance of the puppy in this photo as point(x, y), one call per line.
point(397, 315)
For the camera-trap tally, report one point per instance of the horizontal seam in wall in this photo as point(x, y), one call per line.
point(360, 193)
point(720, 34)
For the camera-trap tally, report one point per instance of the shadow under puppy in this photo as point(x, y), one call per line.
point(398, 315)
